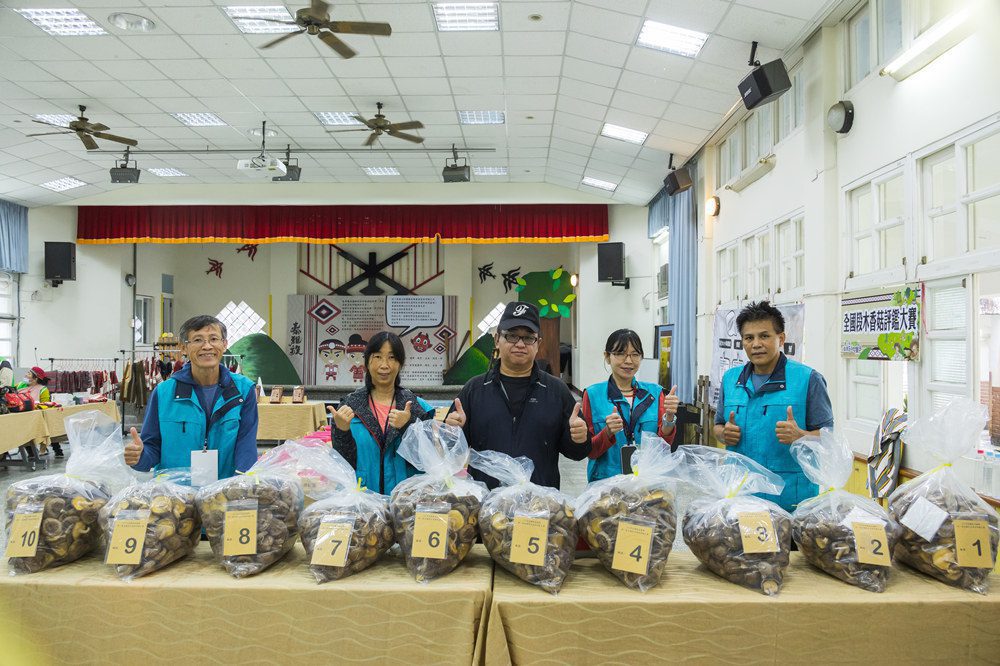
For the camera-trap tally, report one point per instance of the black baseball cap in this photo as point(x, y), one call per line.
point(519, 314)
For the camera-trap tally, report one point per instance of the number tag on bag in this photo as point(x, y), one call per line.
point(23, 538)
point(430, 535)
point(240, 529)
point(632, 548)
point(529, 540)
point(872, 544)
point(128, 537)
point(757, 532)
point(972, 543)
point(333, 541)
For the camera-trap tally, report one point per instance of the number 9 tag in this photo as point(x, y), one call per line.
point(128, 537)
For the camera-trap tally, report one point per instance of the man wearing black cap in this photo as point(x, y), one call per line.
point(516, 408)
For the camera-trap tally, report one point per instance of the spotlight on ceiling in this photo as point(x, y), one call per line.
point(121, 172)
point(293, 171)
point(765, 83)
point(453, 172)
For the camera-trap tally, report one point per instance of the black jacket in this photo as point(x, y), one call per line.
point(541, 433)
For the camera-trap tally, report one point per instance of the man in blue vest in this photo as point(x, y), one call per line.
point(201, 408)
point(764, 404)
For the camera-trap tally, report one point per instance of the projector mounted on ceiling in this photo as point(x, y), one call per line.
point(454, 172)
point(262, 165)
point(294, 171)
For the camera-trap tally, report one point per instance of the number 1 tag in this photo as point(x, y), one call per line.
point(332, 543)
point(128, 537)
point(972, 541)
point(632, 548)
point(872, 544)
point(529, 540)
point(757, 532)
point(23, 539)
point(240, 531)
point(204, 467)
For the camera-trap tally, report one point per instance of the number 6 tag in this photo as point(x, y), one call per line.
point(128, 537)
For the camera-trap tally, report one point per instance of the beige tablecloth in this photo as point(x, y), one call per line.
point(194, 612)
point(694, 616)
point(22, 428)
point(55, 418)
point(289, 421)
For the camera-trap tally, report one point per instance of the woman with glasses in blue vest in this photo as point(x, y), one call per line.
point(619, 410)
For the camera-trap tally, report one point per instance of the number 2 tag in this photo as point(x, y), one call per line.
point(128, 537)
point(529, 540)
point(872, 544)
point(757, 532)
point(240, 532)
point(632, 548)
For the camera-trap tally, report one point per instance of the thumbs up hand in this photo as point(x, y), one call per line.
point(671, 403)
point(400, 418)
point(133, 448)
point(342, 417)
point(577, 426)
point(731, 432)
point(457, 416)
point(614, 423)
point(788, 430)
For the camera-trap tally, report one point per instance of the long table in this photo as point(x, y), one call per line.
point(194, 612)
point(694, 616)
point(287, 420)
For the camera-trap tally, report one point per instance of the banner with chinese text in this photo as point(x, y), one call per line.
point(881, 324)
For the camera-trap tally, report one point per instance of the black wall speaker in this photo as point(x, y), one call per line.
point(764, 84)
point(60, 261)
point(610, 262)
point(677, 181)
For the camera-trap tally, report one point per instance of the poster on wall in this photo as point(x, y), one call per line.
point(664, 336)
point(727, 345)
point(881, 324)
point(327, 336)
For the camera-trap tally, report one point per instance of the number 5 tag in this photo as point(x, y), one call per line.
point(128, 537)
point(529, 540)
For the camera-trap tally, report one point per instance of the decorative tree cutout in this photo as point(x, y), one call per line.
point(551, 291)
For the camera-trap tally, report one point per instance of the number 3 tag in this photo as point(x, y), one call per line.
point(757, 532)
point(128, 537)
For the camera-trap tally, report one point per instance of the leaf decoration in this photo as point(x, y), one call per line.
point(564, 311)
point(556, 273)
point(570, 298)
point(542, 301)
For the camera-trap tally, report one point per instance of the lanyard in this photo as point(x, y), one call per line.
point(382, 435)
point(639, 406)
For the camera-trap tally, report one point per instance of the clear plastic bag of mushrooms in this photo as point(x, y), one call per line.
point(846, 535)
point(435, 514)
point(629, 519)
point(53, 519)
point(528, 529)
point(949, 532)
point(345, 532)
point(742, 538)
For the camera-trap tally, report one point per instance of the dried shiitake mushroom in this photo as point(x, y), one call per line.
point(463, 516)
point(371, 533)
point(69, 528)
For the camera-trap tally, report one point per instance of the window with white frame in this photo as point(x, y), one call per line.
point(859, 45)
point(928, 12)
point(731, 156)
point(240, 320)
point(939, 185)
point(982, 191)
point(791, 107)
point(491, 319)
point(751, 135)
point(877, 213)
point(947, 367)
point(790, 254)
point(142, 322)
point(890, 29)
point(988, 349)
point(758, 134)
point(874, 387)
point(728, 262)
point(757, 259)
point(8, 314)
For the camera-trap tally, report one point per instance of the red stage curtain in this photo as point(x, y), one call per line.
point(525, 223)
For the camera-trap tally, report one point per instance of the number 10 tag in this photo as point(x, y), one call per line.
point(23, 538)
point(128, 537)
point(757, 532)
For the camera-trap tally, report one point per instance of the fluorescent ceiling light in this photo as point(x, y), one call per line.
point(244, 18)
point(131, 22)
point(481, 117)
point(55, 118)
point(382, 171)
point(466, 16)
point(62, 22)
point(489, 170)
point(166, 172)
point(62, 184)
point(199, 119)
point(937, 39)
point(623, 133)
point(671, 39)
point(601, 184)
point(336, 118)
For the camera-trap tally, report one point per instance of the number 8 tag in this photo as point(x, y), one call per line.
point(127, 537)
point(240, 528)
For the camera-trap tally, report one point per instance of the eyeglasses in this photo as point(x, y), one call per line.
point(621, 356)
point(215, 341)
point(513, 338)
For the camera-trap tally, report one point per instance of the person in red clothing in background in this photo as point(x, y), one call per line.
point(619, 410)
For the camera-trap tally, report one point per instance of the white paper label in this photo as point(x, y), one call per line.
point(204, 467)
point(924, 518)
point(859, 515)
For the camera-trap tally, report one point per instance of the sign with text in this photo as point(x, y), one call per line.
point(881, 324)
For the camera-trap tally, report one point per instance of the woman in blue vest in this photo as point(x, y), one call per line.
point(370, 422)
point(619, 410)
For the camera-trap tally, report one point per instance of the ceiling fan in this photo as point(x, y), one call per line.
point(379, 125)
point(315, 20)
point(86, 130)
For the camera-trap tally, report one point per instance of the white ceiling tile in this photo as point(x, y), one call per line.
point(529, 130)
point(703, 15)
point(470, 43)
point(531, 85)
point(260, 87)
point(605, 24)
point(643, 104)
point(159, 47)
point(423, 86)
point(614, 151)
point(301, 68)
point(278, 104)
point(37, 48)
point(659, 63)
point(709, 100)
point(594, 94)
point(581, 107)
point(328, 103)
point(51, 89)
point(135, 70)
point(217, 104)
point(693, 117)
point(582, 70)
point(407, 45)
point(530, 102)
point(774, 30)
point(636, 121)
point(130, 104)
point(184, 69)
point(296, 48)
point(565, 157)
point(521, 142)
point(404, 17)
point(803, 9)
point(560, 131)
point(649, 86)
point(595, 49)
point(103, 47)
point(674, 130)
point(221, 46)
point(415, 67)
point(479, 102)
point(157, 89)
point(570, 118)
point(732, 53)
point(311, 87)
point(626, 6)
point(671, 145)
point(599, 168)
point(430, 103)
point(22, 70)
point(206, 20)
point(533, 43)
point(516, 16)
point(368, 86)
point(242, 68)
point(206, 87)
point(532, 66)
point(483, 66)
point(74, 70)
point(721, 79)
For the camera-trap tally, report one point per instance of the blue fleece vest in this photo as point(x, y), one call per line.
point(395, 467)
point(182, 423)
point(605, 399)
point(757, 415)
